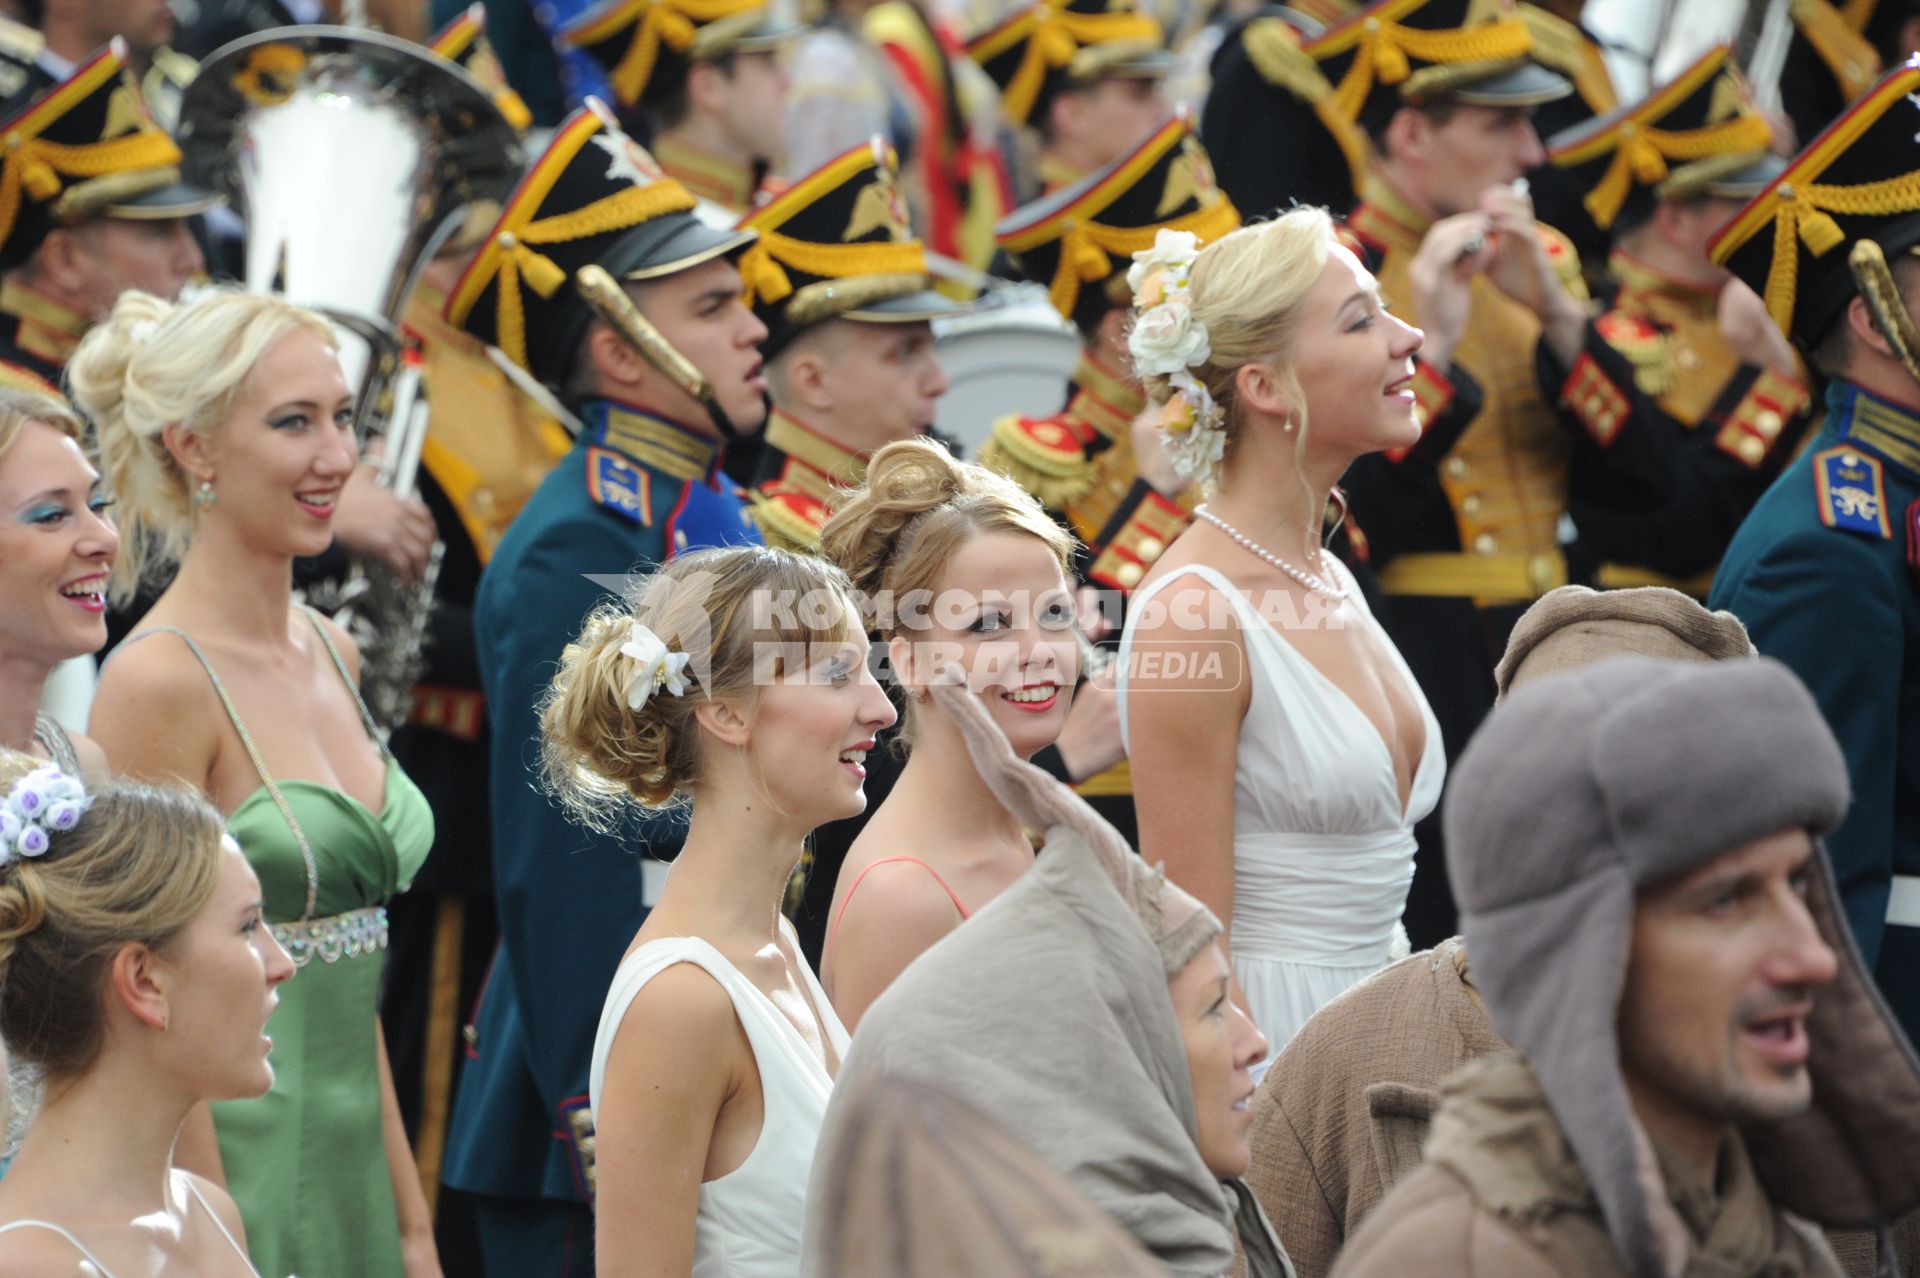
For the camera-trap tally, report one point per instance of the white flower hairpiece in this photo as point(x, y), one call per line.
point(1166, 340)
point(142, 331)
point(44, 802)
point(654, 668)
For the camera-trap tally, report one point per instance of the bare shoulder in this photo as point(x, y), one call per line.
point(93, 760)
point(896, 895)
point(687, 1000)
point(342, 643)
point(155, 713)
point(221, 1204)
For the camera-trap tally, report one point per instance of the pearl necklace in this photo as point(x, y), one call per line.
point(1312, 581)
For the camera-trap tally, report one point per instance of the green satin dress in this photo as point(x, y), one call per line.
point(307, 1162)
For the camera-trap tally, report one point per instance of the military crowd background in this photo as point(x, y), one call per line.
point(1652, 357)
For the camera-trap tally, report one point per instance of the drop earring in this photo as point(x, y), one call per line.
point(204, 496)
point(1287, 425)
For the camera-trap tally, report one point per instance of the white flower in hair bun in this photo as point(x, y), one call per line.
point(1167, 340)
point(654, 667)
point(140, 332)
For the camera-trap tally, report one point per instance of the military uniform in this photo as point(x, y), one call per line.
point(1063, 45)
point(1826, 570)
point(633, 491)
point(85, 148)
point(836, 245)
point(956, 177)
point(647, 47)
point(1678, 438)
point(1079, 461)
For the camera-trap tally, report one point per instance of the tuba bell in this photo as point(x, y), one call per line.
point(354, 157)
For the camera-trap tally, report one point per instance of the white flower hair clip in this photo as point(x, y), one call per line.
point(142, 331)
point(43, 803)
point(1166, 340)
point(654, 667)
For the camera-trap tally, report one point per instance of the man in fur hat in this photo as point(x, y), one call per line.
point(1707, 1072)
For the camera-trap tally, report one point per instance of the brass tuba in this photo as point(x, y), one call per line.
point(353, 157)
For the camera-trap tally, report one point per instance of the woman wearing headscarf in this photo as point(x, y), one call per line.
point(1091, 963)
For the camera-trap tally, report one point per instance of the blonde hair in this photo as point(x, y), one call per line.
point(154, 363)
point(18, 407)
point(895, 534)
point(1247, 287)
point(142, 862)
point(733, 610)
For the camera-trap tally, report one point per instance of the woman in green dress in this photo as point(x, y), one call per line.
point(226, 433)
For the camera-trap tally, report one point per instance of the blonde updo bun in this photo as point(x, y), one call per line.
point(738, 612)
point(154, 363)
point(896, 533)
point(139, 866)
point(1247, 288)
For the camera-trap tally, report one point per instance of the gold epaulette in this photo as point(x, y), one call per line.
point(1565, 258)
point(788, 519)
point(1645, 346)
point(1043, 455)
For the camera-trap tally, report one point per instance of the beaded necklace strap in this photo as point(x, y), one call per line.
point(253, 751)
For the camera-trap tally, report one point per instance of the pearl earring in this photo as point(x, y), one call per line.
point(204, 496)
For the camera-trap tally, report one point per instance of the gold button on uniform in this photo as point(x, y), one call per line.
point(1130, 575)
point(1150, 548)
point(1470, 504)
point(1767, 423)
point(1751, 450)
point(1457, 467)
point(1484, 544)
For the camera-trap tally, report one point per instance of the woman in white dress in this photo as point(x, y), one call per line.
point(136, 973)
point(739, 679)
point(1281, 748)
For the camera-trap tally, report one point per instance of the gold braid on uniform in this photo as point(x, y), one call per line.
point(37, 165)
point(1054, 35)
point(1385, 48)
point(1803, 212)
point(543, 275)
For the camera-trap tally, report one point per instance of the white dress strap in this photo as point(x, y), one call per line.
point(193, 1191)
point(218, 1223)
point(77, 1245)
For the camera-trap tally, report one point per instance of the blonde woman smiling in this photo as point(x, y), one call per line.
point(1282, 791)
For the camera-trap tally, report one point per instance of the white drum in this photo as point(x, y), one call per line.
point(1011, 354)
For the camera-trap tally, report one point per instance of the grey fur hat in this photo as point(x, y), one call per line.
point(1582, 788)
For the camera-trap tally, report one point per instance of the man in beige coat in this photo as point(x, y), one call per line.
point(1343, 1113)
point(1708, 1071)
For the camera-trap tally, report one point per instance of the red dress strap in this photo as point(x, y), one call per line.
point(887, 860)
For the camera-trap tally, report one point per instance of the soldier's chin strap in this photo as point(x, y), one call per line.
point(611, 303)
point(1884, 303)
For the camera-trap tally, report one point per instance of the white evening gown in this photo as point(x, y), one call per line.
point(1322, 852)
point(747, 1224)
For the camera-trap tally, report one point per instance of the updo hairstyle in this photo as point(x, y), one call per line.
point(18, 407)
point(1247, 287)
point(142, 862)
point(154, 363)
point(737, 611)
point(895, 534)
